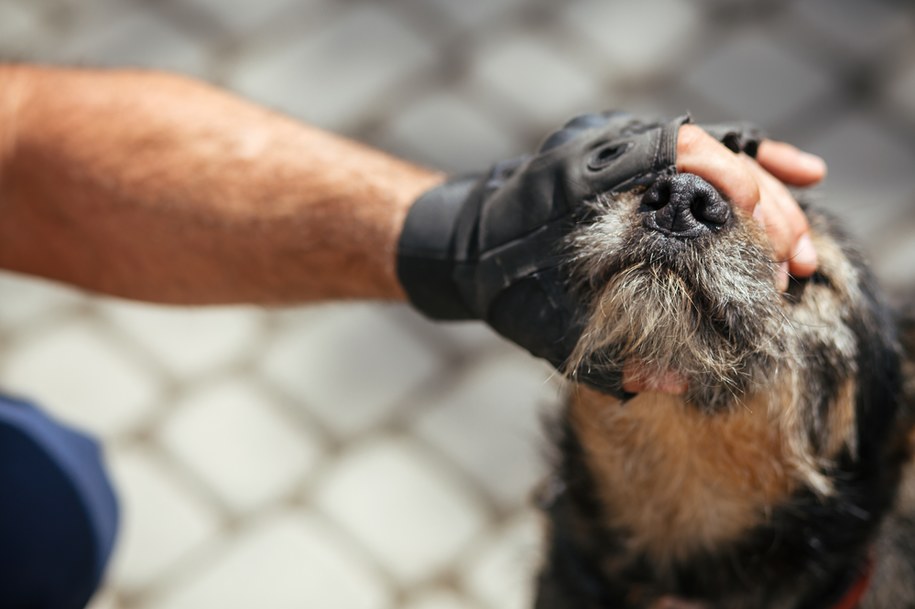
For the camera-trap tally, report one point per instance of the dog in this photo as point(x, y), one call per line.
point(780, 477)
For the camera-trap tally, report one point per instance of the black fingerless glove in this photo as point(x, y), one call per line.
point(489, 246)
point(738, 136)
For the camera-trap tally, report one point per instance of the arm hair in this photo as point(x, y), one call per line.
point(156, 187)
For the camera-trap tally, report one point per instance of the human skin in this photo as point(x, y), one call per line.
point(155, 187)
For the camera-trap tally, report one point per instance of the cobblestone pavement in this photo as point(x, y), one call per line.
point(357, 456)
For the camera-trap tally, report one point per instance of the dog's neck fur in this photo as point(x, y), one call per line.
point(677, 480)
point(663, 508)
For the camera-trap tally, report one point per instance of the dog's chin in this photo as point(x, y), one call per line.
point(700, 319)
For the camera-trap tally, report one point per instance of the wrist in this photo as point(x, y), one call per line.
point(408, 192)
point(426, 257)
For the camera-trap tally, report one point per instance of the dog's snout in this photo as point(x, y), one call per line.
point(685, 206)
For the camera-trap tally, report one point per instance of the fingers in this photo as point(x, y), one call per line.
point(789, 164)
point(703, 155)
point(751, 187)
point(785, 224)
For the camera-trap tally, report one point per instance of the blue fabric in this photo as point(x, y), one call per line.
point(58, 512)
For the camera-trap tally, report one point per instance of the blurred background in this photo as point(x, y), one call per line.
point(357, 456)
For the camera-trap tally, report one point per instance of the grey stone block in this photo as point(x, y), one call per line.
point(244, 17)
point(289, 559)
point(129, 37)
point(446, 132)
point(490, 426)
point(752, 77)
point(871, 179)
point(535, 77)
point(333, 76)
point(861, 27)
point(353, 370)
point(413, 519)
point(636, 40)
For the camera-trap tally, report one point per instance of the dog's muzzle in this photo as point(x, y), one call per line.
point(684, 206)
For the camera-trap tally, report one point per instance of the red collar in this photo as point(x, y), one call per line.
point(853, 597)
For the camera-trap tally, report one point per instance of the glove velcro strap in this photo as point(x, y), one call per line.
point(425, 263)
point(667, 147)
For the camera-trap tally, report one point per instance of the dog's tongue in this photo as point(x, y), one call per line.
point(641, 378)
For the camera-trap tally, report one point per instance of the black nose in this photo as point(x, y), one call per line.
point(684, 205)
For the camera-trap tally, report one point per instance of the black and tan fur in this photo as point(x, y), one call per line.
point(772, 483)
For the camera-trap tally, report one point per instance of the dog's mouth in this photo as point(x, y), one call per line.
point(641, 377)
point(682, 291)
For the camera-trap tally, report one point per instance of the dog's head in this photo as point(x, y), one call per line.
point(682, 285)
point(782, 454)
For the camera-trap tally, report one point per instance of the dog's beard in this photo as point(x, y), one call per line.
point(709, 311)
point(705, 310)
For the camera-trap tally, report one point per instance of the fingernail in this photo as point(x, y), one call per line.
point(804, 253)
point(781, 277)
point(811, 162)
point(758, 215)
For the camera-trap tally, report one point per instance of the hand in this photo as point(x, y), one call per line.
point(487, 246)
point(756, 186)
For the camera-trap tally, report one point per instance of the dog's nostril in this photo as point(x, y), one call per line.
point(657, 196)
point(709, 210)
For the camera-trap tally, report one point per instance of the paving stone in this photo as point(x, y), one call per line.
point(19, 23)
point(870, 181)
point(332, 76)
point(103, 600)
point(406, 512)
point(863, 28)
point(491, 426)
point(352, 369)
point(535, 77)
point(897, 266)
point(289, 562)
point(752, 76)
point(231, 436)
point(636, 39)
point(188, 342)
point(243, 17)
point(297, 317)
point(503, 573)
point(439, 599)
point(447, 133)
point(468, 15)
point(457, 336)
point(901, 91)
point(25, 299)
point(473, 337)
point(83, 377)
point(136, 38)
point(161, 521)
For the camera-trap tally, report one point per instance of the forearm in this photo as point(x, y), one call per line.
point(155, 187)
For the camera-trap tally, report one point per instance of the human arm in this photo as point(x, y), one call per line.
point(159, 188)
point(156, 187)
